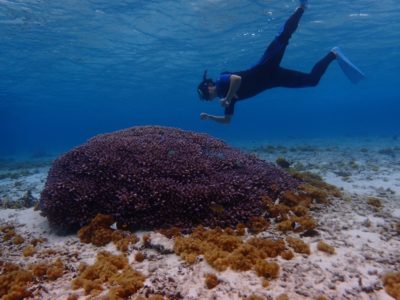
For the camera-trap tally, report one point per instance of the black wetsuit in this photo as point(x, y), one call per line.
point(268, 73)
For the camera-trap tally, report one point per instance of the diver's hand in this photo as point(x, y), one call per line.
point(204, 116)
point(225, 102)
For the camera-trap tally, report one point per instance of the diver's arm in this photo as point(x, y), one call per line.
point(226, 119)
point(234, 85)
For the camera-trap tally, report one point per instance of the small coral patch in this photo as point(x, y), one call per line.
point(282, 297)
point(29, 251)
point(112, 271)
point(298, 245)
point(258, 224)
point(222, 250)
point(14, 282)
point(375, 202)
point(391, 281)
point(139, 257)
point(211, 281)
point(322, 246)
point(99, 233)
point(50, 271)
point(297, 224)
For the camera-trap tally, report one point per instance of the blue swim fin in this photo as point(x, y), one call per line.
point(349, 69)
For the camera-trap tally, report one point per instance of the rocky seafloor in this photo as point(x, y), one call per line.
point(363, 227)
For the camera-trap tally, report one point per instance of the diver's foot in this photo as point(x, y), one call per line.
point(337, 51)
point(303, 4)
point(349, 69)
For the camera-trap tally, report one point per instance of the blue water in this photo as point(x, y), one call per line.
point(72, 69)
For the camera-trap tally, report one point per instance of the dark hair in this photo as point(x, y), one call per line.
point(202, 88)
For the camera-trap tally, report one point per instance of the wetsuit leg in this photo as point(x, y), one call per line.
point(293, 79)
point(274, 53)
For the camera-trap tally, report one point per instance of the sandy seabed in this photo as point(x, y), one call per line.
point(366, 238)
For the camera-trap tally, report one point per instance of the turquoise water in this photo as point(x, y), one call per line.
point(73, 69)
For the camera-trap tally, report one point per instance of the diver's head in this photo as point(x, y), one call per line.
point(206, 89)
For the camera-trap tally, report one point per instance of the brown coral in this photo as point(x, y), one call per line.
point(6, 228)
point(287, 254)
point(99, 233)
point(258, 224)
point(375, 202)
point(155, 297)
point(298, 245)
point(316, 187)
point(14, 282)
point(211, 281)
point(255, 297)
point(265, 283)
point(171, 232)
point(111, 270)
point(391, 281)
point(122, 240)
point(9, 233)
point(278, 211)
point(29, 251)
point(39, 270)
point(18, 239)
point(240, 229)
point(267, 269)
point(50, 271)
point(291, 198)
point(55, 270)
point(36, 241)
point(146, 240)
point(270, 247)
point(222, 251)
point(322, 246)
point(292, 213)
point(297, 224)
point(139, 256)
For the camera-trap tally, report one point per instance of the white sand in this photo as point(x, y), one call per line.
point(365, 240)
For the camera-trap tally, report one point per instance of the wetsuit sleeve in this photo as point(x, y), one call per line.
point(222, 84)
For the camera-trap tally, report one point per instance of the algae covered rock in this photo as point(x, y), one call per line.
point(153, 177)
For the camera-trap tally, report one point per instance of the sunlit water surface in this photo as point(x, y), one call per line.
point(72, 69)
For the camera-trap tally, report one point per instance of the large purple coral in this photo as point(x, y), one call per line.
point(153, 177)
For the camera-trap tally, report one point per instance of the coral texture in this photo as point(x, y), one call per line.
point(50, 271)
point(298, 245)
point(211, 281)
point(111, 271)
point(391, 281)
point(322, 246)
point(99, 233)
point(225, 249)
point(14, 282)
point(373, 201)
point(153, 177)
point(29, 251)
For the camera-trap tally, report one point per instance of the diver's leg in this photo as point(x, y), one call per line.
point(294, 79)
point(290, 26)
point(274, 52)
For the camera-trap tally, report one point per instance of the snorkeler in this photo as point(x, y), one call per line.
point(231, 87)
